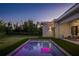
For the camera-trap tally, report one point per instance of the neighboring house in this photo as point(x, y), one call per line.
point(48, 29)
point(68, 23)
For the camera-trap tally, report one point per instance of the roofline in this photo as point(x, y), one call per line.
point(67, 12)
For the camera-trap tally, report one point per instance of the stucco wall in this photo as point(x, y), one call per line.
point(56, 30)
point(65, 30)
point(62, 30)
point(46, 32)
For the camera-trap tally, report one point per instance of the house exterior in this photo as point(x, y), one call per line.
point(47, 29)
point(68, 23)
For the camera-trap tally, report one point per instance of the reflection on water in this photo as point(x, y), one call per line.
point(40, 47)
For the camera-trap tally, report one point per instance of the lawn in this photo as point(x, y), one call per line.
point(9, 43)
point(73, 49)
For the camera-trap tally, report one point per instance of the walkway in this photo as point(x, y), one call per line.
point(75, 42)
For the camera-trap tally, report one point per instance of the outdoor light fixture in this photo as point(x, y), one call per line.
point(50, 28)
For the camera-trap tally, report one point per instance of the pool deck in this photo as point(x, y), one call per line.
point(74, 42)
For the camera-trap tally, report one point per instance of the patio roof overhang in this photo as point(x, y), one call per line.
point(69, 14)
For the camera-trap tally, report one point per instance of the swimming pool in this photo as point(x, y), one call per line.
point(37, 47)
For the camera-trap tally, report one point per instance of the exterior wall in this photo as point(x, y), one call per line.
point(48, 29)
point(47, 32)
point(65, 30)
point(62, 30)
point(56, 30)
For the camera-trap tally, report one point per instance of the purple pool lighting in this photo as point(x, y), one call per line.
point(45, 50)
point(37, 48)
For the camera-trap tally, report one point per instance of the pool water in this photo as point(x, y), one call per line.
point(38, 48)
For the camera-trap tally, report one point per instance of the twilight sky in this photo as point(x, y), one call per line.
point(37, 12)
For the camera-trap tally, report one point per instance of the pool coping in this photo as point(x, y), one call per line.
point(61, 48)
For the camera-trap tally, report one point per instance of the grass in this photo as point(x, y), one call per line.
point(2, 34)
point(9, 43)
point(73, 49)
point(8, 49)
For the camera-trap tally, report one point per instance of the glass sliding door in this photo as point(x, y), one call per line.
point(74, 30)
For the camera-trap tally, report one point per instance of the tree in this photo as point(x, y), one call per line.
point(2, 26)
point(30, 27)
point(8, 28)
point(25, 27)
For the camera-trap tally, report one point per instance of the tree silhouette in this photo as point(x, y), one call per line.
point(28, 28)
